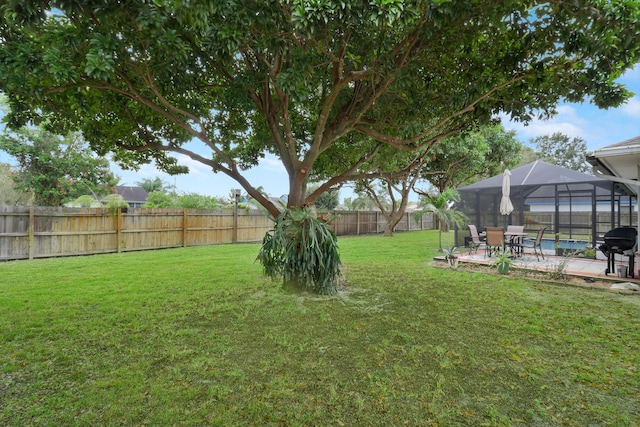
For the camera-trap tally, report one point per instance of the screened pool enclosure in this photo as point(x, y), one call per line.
point(571, 205)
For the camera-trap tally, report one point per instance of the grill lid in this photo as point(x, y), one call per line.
point(622, 233)
point(619, 239)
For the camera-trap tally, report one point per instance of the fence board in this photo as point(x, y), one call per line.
point(41, 232)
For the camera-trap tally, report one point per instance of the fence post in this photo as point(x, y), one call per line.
point(31, 228)
point(235, 215)
point(119, 229)
point(184, 228)
point(358, 222)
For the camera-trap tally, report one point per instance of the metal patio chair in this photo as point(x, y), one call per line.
point(536, 244)
point(476, 240)
point(495, 240)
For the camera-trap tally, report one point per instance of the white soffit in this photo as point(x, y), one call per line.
point(622, 159)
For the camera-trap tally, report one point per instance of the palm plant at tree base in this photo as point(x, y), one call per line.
point(303, 251)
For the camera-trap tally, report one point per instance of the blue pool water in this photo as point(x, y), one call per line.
point(576, 245)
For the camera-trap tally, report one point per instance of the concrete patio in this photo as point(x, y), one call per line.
point(579, 267)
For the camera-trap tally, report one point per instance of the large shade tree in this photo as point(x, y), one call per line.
point(455, 160)
point(294, 78)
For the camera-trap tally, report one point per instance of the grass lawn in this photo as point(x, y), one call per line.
point(197, 336)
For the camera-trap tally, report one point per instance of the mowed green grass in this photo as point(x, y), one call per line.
point(198, 336)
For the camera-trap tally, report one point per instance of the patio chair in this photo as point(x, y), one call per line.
point(476, 240)
point(495, 240)
point(536, 244)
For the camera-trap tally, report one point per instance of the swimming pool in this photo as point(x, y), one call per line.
point(574, 245)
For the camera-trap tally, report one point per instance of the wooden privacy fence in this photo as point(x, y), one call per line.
point(42, 232)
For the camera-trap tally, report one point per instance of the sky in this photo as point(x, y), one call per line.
point(598, 128)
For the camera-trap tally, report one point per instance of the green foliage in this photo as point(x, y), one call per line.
point(451, 256)
point(360, 202)
point(354, 203)
point(450, 252)
point(328, 200)
point(503, 262)
point(160, 199)
point(303, 251)
point(151, 185)
point(197, 201)
point(559, 149)
point(86, 201)
point(8, 193)
point(113, 202)
point(330, 88)
point(527, 155)
point(55, 169)
point(443, 208)
point(469, 156)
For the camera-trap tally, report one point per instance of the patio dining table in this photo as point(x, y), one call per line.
point(514, 240)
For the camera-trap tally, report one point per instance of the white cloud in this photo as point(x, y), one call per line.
point(567, 122)
point(195, 167)
point(273, 164)
point(632, 108)
point(632, 76)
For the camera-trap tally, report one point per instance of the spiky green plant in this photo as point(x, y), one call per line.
point(303, 251)
point(113, 202)
point(443, 209)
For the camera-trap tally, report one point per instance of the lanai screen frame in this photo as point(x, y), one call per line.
point(542, 182)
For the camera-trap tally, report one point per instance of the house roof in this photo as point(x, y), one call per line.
point(618, 160)
point(132, 194)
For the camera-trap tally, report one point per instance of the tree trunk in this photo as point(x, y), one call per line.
point(393, 219)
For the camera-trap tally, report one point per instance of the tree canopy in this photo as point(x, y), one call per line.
point(464, 158)
point(56, 169)
point(559, 149)
point(162, 199)
point(303, 80)
point(155, 184)
point(8, 193)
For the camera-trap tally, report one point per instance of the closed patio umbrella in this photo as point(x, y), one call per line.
point(506, 207)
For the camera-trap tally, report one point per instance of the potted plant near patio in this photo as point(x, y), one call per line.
point(451, 255)
point(503, 262)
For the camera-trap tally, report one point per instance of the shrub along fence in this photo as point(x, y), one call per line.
point(42, 232)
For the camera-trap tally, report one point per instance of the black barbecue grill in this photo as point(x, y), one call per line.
point(619, 241)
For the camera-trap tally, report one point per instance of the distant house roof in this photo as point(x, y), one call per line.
point(132, 195)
